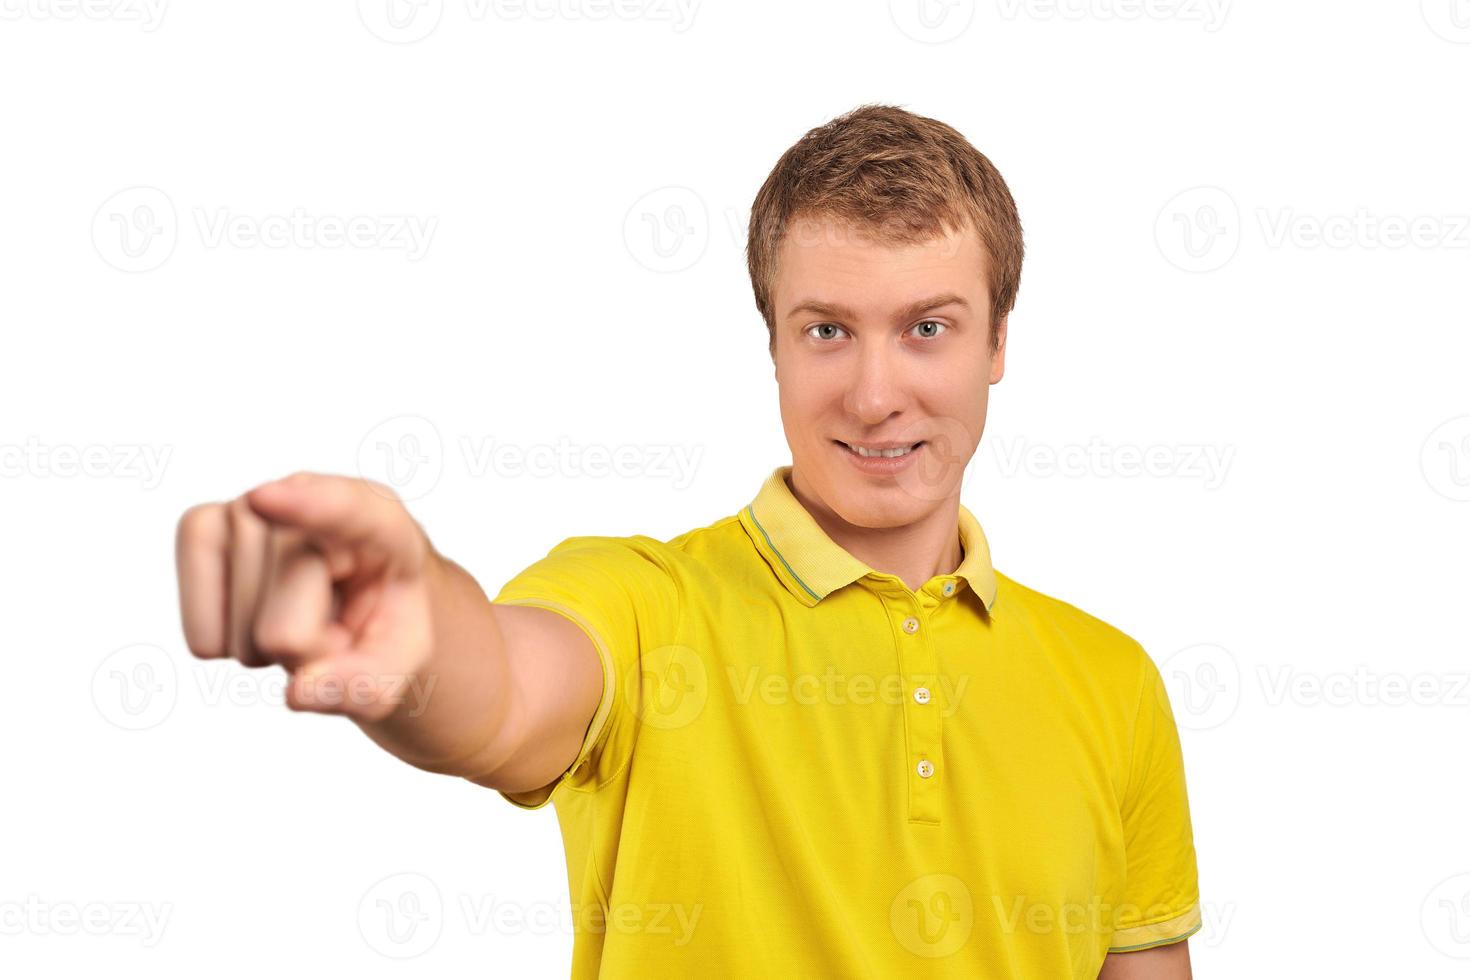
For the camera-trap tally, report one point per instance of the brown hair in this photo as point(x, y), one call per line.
point(903, 177)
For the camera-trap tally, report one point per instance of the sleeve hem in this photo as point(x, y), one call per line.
point(535, 799)
point(1170, 930)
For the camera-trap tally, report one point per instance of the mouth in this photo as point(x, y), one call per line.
point(879, 450)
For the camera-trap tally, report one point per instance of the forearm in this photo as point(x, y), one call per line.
point(452, 715)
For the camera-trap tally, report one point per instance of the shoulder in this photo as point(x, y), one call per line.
point(677, 558)
point(1072, 636)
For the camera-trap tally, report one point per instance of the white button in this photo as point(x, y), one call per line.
point(911, 625)
point(949, 588)
point(926, 768)
point(921, 695)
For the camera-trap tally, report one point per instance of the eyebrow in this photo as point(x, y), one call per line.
point(841, 312)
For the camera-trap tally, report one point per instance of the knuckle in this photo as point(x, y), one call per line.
point(238, 510)
point(381, 489)
point(191, 517)
point(197, 522)
point(201, 651)
point(246, 652)
point(316, 691)
point(244, 522)
point(296, 699)
point(274, 636)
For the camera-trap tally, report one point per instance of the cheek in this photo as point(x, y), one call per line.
point(798, 408)
point(959, 395)
point(804, 389)
point(956, 385)
point(802, 414)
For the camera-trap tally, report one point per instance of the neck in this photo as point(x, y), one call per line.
point(914, 552)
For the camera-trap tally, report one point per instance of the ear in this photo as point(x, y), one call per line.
point(998, 359)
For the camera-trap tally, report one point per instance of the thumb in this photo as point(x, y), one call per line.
point(342, 684)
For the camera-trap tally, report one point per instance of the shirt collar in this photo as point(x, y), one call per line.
point(812, 566)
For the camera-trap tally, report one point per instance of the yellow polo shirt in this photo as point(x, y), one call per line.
point(800, 768)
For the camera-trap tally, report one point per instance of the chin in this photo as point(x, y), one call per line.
point(864, 504)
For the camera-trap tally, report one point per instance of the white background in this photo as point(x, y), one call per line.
point(1216, 199)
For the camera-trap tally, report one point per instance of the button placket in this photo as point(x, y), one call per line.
point(922, 718)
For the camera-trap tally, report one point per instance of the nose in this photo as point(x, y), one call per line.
point(878, 387)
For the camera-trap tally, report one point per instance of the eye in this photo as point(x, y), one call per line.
point(939, 328)
point(823, 326)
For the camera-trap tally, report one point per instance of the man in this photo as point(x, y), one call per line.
point(821, 736)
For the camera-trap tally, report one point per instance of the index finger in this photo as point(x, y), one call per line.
point(340, 512)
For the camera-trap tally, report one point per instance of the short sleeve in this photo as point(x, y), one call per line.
point(1161, 892)
point(621, 593)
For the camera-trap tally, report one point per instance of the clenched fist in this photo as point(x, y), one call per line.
point(325, 575)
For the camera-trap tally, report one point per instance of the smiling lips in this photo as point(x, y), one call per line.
point(888, 450)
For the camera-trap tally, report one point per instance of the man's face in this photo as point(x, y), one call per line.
point(880, 345)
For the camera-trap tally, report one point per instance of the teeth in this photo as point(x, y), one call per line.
point(862, 451)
